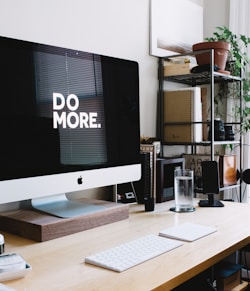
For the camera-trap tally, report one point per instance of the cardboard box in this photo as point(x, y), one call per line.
point(183, 115)
point(229, 282)
point(228, 275)
point(171, 69)
point(228, 170)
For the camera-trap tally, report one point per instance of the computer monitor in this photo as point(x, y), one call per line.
point(69, 121)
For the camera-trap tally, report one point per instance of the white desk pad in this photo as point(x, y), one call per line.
point(187, 231)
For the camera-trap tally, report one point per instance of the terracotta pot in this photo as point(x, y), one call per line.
point(221, 50)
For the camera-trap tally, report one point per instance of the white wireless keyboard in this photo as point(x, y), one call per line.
point(135, 252)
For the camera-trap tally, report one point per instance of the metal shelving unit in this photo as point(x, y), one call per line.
point(196, 79)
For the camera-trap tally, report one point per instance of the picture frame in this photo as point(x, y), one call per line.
point(174, 26)
point(165, 177)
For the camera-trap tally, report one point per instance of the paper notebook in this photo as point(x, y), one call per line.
point(188, 231)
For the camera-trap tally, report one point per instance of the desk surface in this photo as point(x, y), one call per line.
point(59, 264)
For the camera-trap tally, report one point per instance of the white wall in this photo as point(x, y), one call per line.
point(216, 13)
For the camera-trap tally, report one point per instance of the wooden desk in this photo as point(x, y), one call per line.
point(59, 264)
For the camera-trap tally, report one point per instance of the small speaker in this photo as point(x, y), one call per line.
point(210, 177)
point(143, 186)
point(246, 176)
point(210, 184)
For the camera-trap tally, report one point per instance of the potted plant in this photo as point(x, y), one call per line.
point(221, 51)
point(238, 60)
point(237, 64)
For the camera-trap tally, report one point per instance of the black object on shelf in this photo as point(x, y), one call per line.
point(229, 134)
point(219, 130)
point(203, 68)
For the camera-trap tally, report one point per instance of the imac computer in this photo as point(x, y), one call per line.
point(69, 122)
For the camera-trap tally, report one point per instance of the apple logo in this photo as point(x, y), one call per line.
point(79, 180)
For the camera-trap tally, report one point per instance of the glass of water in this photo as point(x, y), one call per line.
point(183, 190)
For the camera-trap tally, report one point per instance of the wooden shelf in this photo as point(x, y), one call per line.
point(241, 287)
